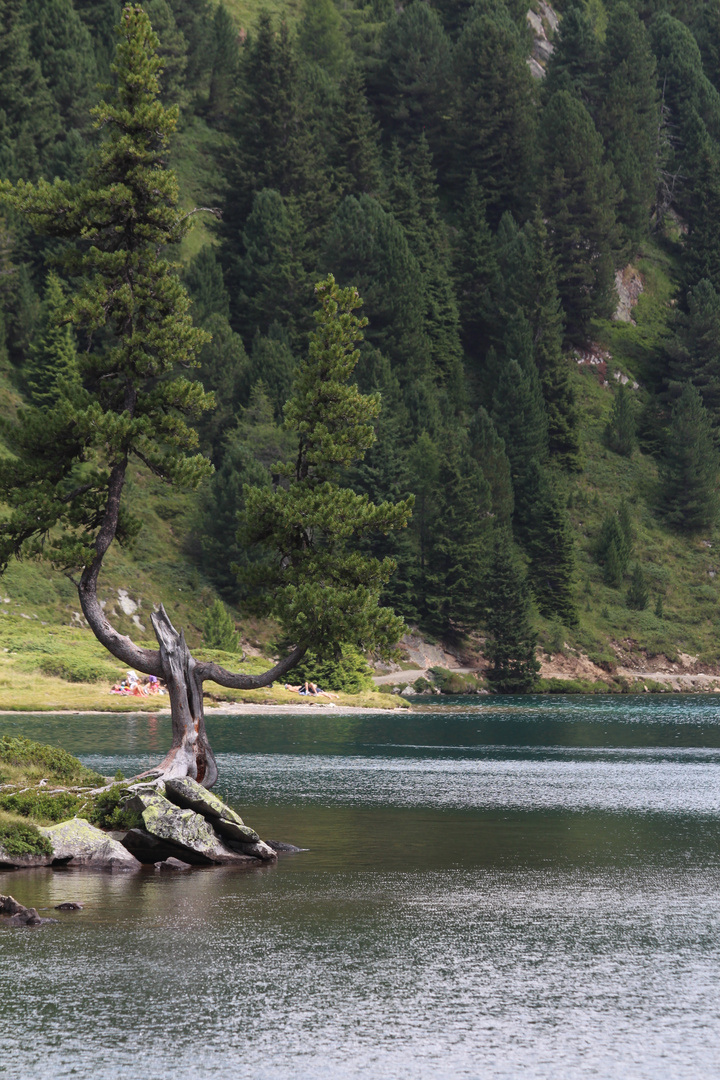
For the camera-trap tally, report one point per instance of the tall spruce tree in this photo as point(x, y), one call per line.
point(511, 641)
point(581, 194)
point(621, 428)
point(495, 129)
point(411, 87)
point(628, 116)
point(696, 353)
point(546, 322)
point(53, 353)
point(548, 542)
point(476, 272)
point(689, 473)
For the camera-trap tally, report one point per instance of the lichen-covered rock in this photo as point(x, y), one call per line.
point(148, 849)
point(20, 862)
point(78, 843)
point(186, 792)
point(259, 850)
point(183, 828)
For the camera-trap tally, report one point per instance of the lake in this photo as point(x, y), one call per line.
point(494, 888)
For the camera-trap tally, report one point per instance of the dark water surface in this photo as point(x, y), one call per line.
point(521, 888)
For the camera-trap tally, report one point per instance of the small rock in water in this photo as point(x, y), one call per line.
point(69, 905)
point(278, 845)
point(19, 915)
point(172, 864)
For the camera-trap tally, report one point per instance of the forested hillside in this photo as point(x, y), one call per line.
point(530, 209)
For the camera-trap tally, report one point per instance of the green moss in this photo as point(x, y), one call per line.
point(19, 837)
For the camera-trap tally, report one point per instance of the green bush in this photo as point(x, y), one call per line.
point(452, 682)
point(107, 811)
point(42, 806)
point(350, 673)
point(421, 685)
point(36, 761)
point(19, 837)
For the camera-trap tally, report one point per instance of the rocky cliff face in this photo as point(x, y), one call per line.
point(543, 23)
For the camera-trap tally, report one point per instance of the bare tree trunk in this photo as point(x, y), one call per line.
point(190, 753)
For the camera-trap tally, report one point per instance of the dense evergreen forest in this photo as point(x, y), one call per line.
point(484, 207)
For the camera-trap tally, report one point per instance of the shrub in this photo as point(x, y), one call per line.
point(18, 837)
point(107, 811)
point(452, 682)
point(36, 761)
point(42, 806)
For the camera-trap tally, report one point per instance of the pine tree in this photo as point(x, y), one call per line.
point(511, 642)
point(61, 44)
point(310, 577)
point(628, 116)
point(581, 194)
point(495, 129)
point(697, 350)
point(546, 322)
point(321, 36)
point(273, 144)
point(29, 114)
point(226, 58)
point(368, 245)
point(172, 51)
point(272, 283)
point(613, 566)
point(355, 154)
point(457, 554)
point(410, 88)
point(219, 629)
point(488, 449)
point(575, 62)
point(204, 281)
point(272, 361)
point(476, 272)
point(638, 594)
point(614, 545)
point(621, 428)
point(548, 542)
point(53, 353)
point(689, 475)
point(224, 370)
point(414, 202)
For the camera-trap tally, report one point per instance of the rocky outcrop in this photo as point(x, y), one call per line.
point(78, 843)
point(543, 24)
point(20, 862)
point(18, 915)
point(186, 792)
point(183, 828)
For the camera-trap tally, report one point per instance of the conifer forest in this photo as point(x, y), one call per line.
point(527, 204)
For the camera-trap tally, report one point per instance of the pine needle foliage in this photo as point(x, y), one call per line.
point(313, 579)
point(219, 629)
point(133, 397)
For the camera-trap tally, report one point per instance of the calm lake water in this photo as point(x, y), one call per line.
point(520, 888)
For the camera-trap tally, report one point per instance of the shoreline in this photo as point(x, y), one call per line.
point(229, 709)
